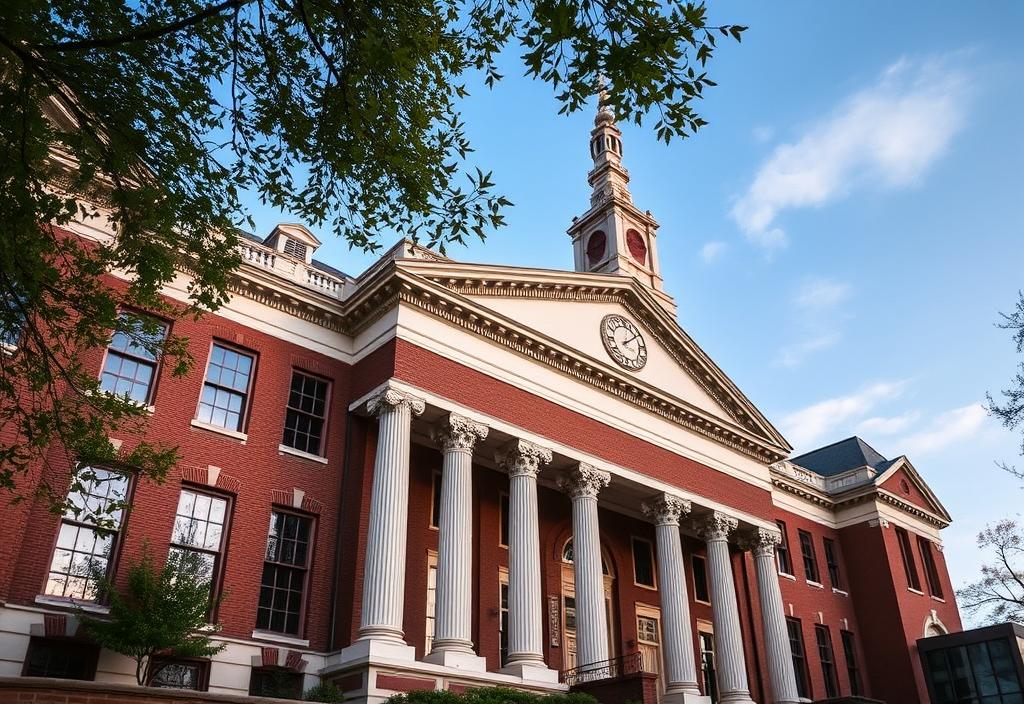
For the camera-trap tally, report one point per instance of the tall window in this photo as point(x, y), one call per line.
point(431, 600)
point(504, 526)
point(832, 563)
point(226, 390)
point(909, 565)
point(707, 665)
point(435, 500)
point(282, 591)
point(83, 552)
point(700, 579)
point(200, 525)
point(931, 572)
point(782, 551)
point(130, 368)
point(643, 562)
point(503, 621)
point(828, 660)
point(852, 671)
point(810, 559)
point(306, 413)
point(796, 647)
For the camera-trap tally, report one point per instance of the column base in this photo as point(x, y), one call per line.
point(374, 648)
point(735, 698)
point(684, 698)
point(457, 660)
point(536, 672)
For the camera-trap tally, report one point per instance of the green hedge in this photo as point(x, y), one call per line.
point(490, 695)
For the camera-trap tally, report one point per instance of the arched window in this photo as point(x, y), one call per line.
point(637, 246)
point(596, 244)
point(569, 557)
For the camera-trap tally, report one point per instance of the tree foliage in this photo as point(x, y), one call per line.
point(1009, 409)
point(158, 118)
point(998, 595)
point(489, 695)
point(159, 612)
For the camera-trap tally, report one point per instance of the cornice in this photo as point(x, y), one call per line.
point(437, 301)
point(680, 347)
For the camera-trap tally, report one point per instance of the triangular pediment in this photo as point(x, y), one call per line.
point(904, 482)
point(569, 308)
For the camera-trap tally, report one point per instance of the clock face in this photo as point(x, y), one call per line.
point(624, 342)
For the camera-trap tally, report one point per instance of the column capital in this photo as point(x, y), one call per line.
point(458, 433)
point(522, 458)
point(584, 481)
point(761, 541)
point(715, 526)
point(390, 397)
point(666, 509)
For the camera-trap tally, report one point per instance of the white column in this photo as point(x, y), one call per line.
point(776, 636)
point(677, 633)
point(583, 484)
point(453, 615)
point(730, 661)
point(522, 460)
point(380, 627)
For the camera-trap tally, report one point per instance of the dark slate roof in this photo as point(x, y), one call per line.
point(842, 456)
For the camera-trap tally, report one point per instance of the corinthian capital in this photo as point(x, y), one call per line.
point(391, 398)
point(761, 541)
point(458, 433)
point(584, 481)
point(715, 526)
point(522, 458)
point(666, 510)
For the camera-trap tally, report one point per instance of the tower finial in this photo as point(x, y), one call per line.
point(604, 110)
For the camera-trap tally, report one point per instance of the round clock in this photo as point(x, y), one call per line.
point(623, 342)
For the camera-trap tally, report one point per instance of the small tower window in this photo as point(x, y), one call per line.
point(595, 247)
point(637, 246)
point(295, 249)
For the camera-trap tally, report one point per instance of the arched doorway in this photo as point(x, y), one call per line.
point(569, 606)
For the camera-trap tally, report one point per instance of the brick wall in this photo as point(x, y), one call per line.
point(41, 690)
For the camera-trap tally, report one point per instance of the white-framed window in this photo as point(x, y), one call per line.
point(129, 368)
point(643, 563)
point(84, 550)
point(431, 599)
point(306, 413)
point(225, 396)
point(200, 531)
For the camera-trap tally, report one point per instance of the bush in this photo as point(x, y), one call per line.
point(490, 695)
point(324, 692)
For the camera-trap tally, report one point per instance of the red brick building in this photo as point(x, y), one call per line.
point(447, 475)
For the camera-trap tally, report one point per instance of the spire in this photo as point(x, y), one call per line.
point(614, 236)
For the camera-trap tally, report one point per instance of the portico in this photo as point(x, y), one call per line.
point(466, 438)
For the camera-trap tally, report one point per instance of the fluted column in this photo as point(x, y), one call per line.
point(762, 543)
point(384, 577)
point(730, 662)
point(522, 460)
point(453, 615)
point(677, 633)
point(583, 484)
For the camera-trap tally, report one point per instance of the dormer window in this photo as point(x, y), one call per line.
point(294, 249)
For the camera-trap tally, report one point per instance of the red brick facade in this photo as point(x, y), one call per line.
point(872, 600)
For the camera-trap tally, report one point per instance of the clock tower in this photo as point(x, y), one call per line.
point(614, 236)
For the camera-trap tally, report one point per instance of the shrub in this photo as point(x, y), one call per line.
point(324, 692)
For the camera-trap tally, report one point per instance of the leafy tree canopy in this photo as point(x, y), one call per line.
point(159, 116)
point(158, 612)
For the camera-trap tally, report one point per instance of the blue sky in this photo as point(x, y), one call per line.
point(839, 239)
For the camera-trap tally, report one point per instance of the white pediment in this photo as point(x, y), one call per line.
point(577, 325)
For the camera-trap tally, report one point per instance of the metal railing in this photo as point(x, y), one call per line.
point(629, 664)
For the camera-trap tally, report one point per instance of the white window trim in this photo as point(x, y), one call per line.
point(279, 638)
point(654, 564)
point(693, 576)
point(65, 603)
point(840, 592)
point(243, 437)
point(787, 575)
point(285, 450)
point(816, 585)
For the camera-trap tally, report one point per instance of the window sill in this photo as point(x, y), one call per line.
point(787, 575)
point(816, 585)
point(840, 592)
point(285, 450)
point(648, 587)
point(219, 430)
point(701, 601)
point(280, 638)
point(7, 348)
point(45, 600)
point(915, 591)
point(938, 599)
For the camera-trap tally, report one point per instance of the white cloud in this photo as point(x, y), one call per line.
point(947, 429)
point(882, 425)
point(821, 294)
point(793, 355)
point(808, 426)
point(886, 135)
point(712, 251)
